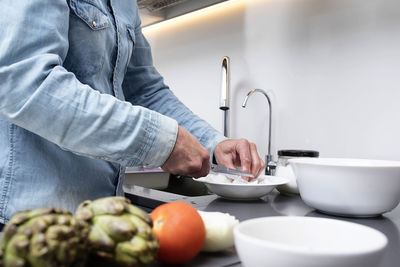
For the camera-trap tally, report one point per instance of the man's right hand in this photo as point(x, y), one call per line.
point(188, 157)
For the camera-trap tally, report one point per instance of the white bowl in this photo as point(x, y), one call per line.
point(348, 187)
point(238, 191)
point(307, 241)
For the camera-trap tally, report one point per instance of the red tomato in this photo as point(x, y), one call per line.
point(180, 231)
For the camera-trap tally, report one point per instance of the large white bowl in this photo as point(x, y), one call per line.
point(307, 242)
point(243, 191)
point(348, 187)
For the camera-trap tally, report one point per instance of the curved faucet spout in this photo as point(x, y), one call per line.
point(268, 159)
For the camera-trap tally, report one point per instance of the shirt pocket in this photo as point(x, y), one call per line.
point(93, 16)
point(88, 38)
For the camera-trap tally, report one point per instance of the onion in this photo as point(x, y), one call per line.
point(219, 230)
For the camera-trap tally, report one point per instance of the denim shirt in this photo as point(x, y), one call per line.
point(80, 99)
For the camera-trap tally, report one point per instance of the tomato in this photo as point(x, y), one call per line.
point(180, 231)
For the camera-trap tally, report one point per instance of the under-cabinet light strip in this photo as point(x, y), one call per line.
point(190, 14)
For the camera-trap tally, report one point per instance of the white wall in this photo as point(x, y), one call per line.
point(332, 68)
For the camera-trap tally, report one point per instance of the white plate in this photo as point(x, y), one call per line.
point(245, 191)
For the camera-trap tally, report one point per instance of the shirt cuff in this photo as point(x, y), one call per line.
point(165, 131)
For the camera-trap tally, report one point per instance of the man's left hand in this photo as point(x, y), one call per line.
point(234, 153)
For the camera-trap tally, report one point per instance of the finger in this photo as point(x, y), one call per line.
point(256, 161)
point(262, 168)
point(205, 166)
point(248, 179)
point(243, 149)
point(202, 173)
point(227, 161)
point(205, 169)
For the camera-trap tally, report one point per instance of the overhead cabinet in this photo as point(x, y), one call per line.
point(154, 11)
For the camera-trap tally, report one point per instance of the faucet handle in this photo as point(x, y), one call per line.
point(271, 165)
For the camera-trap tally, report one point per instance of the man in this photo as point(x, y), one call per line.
point(80, 100)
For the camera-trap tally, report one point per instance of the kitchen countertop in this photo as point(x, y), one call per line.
point(274, 204)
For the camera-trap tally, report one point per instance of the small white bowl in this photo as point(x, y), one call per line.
point(244, 191)
point(307, 241)
point(348, 187)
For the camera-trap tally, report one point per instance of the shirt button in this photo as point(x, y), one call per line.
point(94, 23)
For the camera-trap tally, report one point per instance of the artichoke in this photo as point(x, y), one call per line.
point(44, 237)
point(120, 233)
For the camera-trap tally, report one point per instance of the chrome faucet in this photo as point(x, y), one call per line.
point(224, 97)
point(270, 164)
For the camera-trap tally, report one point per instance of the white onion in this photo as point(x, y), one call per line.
point(219, 230)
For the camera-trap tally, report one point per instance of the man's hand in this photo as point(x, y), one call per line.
point(188, 157)
point(239, 152)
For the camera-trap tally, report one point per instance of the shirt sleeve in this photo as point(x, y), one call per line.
point(144, 86)
point(37, 93)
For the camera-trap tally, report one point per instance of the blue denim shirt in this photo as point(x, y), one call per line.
point(79, 101)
